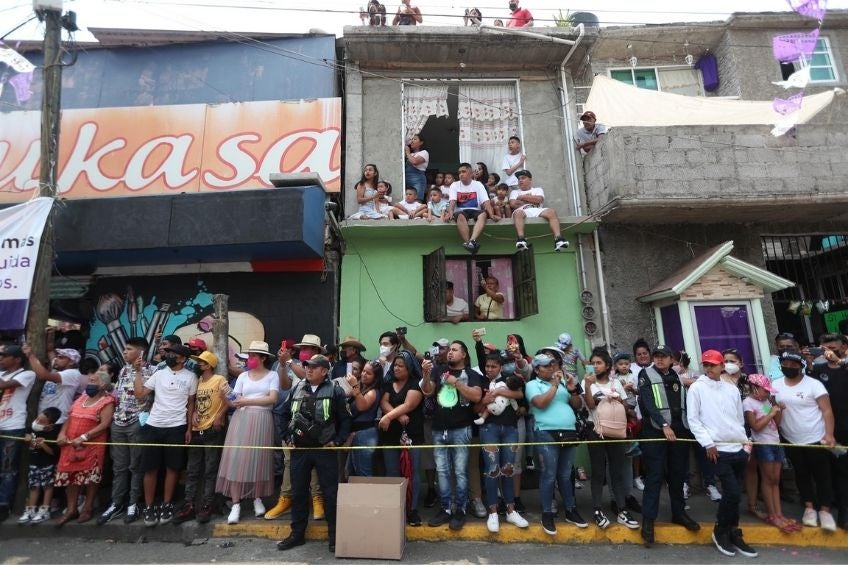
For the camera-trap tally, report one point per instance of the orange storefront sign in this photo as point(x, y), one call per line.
point(148, 150)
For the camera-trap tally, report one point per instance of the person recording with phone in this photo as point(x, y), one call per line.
point(490, 304)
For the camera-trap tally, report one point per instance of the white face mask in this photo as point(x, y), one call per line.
point(36, 427)
point(385, 350)
point(731, 368)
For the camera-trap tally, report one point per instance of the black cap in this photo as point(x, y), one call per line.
point(13, 351)
point(318, 361)
point(792, 356)
point(524, 173)
point(662, 350)
point(179, 350)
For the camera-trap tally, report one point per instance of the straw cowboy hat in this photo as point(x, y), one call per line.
point(350, 340)
point(260, 347)
point(310, 340)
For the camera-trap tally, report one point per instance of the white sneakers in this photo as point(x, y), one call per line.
point(715, 496)
point(29, 513)
point(810, 518)
point(258, 508)
point(42, 515)
point(514, 518)
point(638, 483)
point(235, 514)
point(826, 520)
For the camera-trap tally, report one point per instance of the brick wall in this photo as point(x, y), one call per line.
point(719, 284)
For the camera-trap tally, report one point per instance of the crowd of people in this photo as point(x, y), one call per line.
point(484, 416)
point(410, 15)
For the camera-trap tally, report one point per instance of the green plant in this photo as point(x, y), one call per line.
point(565, 20)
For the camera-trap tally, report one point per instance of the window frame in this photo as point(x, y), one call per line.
point(657, 69)
point(828, 50)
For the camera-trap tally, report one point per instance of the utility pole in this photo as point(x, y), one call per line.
point(51, 103)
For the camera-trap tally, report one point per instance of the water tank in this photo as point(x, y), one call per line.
point(588, 19)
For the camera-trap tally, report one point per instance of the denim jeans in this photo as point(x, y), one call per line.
point(500, 461)
point(416, 179)
point(126, 464)
point(554, 463)
point(452, 460)
point(10, 461)
point(730, 470)
point(361, 461)
point(203, 464)
point(391, 459)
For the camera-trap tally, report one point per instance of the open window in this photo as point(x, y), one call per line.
point(513, 275)
point(820, 63)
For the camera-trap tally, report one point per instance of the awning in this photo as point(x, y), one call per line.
point(618, 104)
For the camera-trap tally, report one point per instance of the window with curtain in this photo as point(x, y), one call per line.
point(419, 103)
point(488, 116)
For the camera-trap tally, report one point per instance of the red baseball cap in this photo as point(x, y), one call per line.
point(196, 343)
point(712, 357)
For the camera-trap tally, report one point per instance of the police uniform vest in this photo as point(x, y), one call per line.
point(312, 422)
point(661, 399)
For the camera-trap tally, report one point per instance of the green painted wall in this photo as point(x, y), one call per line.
point(382, 285)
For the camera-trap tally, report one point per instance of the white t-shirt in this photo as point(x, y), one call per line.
point(470, 196)
point(422, 166)
point(613, 385)
point(801, 421)
point(61, 395)
point(532, 192)
point(249, 388)
point(13, 403)
point(458, 307)
point(410, 207)
point(170, 402)
point(761, 408)
point(509, 161)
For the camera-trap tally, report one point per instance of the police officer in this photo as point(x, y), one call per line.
point(662, 401)
point(317, 416)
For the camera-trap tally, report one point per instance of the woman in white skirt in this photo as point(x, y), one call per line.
point(245, 472)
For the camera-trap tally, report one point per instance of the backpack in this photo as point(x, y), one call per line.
point(610, 419)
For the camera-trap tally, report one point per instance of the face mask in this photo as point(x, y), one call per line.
point(253, 363)
point(385, 350)
point(197, 370)
point(91, 390)
point(790, 372)
point(513, 6)
point(731, 368)
point(508, 369)
point(171, 361)
point(304, 355)
point(36, 427)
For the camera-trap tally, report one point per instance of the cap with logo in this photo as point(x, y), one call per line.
point(712, 357)
point(663, 350)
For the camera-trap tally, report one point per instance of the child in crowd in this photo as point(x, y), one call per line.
point(450, 178)
point(437, 207)
point(499, 404)
point(570, 354)
point(410, 208)
point(763, 418)
point(493, 182)
point(621, 372)
point(501, 201)
point(438, 180)
point(42, 465)
point(384, 203)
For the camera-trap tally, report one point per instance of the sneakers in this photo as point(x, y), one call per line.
point(235, 514)
point(457, 520)
point(516, 519)
point(687, 491)
point(318, 508)
point(204, 514)
point(114, 511)
point(600, 519)
point(521, 244)
point(42, 515)
point(493, 524)
point(638, 483)
point(429, 500)
point(259, 508)
point(715, 496)
point(740, 545)
point(723, 543)
point(625, 519)
point(528, 463)
point(572, 516)
point(825, 519)
point(560, 244)
point(413, 518)
point(471, 246)
point(810, 518)
point(440, 519)
point(185, 514)
point(478, 508)
point(150, 515)
point(166, 513)
point(27, 515)
point(548, 523)
point(284, 504)
point(132, 514)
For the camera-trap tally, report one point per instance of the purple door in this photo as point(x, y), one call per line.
point(726, 327)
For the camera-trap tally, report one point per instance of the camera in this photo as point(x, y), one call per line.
point(401, 330)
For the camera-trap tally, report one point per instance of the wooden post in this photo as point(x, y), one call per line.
point(221, 332)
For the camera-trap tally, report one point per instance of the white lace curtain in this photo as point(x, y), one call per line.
point(488, 116)
point(421, 102)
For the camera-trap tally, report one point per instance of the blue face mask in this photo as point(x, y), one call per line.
point(508, 369)
point(91, 390)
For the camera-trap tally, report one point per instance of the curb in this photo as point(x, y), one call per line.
point(755, 534)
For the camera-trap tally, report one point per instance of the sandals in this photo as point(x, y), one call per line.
point(758, 513)
point(785, 525)
point(67, 517)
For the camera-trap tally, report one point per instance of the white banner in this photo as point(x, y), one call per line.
point(21, 228)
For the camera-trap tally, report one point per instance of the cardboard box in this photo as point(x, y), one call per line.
point(371, 518)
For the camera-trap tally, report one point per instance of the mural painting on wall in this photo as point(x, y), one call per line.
point(120, 316)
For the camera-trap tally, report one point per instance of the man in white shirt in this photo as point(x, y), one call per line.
point(169, 423)
point(512, 162)
point(60, 384)
point(590, 134)
point(714, 412)
point(456, 308)
point(469, 200)
point(526, 202)
point(15, 385)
